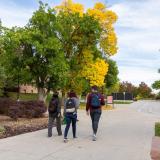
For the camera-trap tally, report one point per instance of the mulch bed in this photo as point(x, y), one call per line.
point(10, 127)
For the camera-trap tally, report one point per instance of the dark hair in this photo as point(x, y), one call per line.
point(94, 87)
point(72, 94)
point(55, 94)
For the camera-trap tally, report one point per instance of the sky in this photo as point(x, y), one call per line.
point(137, 28)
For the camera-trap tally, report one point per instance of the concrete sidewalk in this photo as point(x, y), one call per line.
point(124, 134)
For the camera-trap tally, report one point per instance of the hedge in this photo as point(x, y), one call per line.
point(22, 109)
point(157, 129)
point(5, 103)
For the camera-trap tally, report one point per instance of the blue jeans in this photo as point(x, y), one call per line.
point(70, 118)
point(95, 116)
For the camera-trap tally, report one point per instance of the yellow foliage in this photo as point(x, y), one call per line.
point(102, 14)
point(100, 6)
point(111, 16)
point(70, 6)
point(95, 72)
point(106, 18)
point(108, 43)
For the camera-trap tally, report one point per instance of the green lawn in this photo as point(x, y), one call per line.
point(23, 96)
point(157, 129)
point(123, 102)
point(27, 96)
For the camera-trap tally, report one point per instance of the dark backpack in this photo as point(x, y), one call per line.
point(95, 101)
point(53, 105)
point(70, 104)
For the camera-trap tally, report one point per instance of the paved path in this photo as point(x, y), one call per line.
point(124, 134)
point(147, 106)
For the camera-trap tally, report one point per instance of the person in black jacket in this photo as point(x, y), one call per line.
point(54, 110)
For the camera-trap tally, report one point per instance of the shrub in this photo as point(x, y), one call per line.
point(158, 96)
point(139, 97)
point(25, 109)
point(157, 129)
point(34, 109)
point(16, 111)
point(5, 103)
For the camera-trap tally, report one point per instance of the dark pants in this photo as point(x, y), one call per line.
point(70, 118)
point(51, 122)
point(95, 116)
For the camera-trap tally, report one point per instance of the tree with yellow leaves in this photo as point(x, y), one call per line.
point(85, 34)
point(95, 72)
point(106, 18)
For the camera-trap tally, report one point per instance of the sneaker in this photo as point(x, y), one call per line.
point(94, 138)
point(49, 136)
point(75, 137)
point(65, 140)
point(60, 134)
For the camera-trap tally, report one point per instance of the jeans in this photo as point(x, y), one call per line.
point(95, 116)
point(50, 124)
point(70, 118)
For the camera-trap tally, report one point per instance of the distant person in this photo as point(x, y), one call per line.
point(94, 107)
point(54, 110)
point(70, 112)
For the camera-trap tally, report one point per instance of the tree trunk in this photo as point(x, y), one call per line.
point(42, 94)
point(63, 97)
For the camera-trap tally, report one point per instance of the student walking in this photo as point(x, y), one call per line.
point(94, 107)
point(70, 112)
point(54, 110)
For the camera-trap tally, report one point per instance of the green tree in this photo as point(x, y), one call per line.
point(77, 33)
point(35, 54)
point(111, 79)
point(156, 85)
point(144, 90)
point(2, 72)
point(128, 87)
point(2, 79)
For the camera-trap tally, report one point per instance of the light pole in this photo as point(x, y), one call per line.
point(124, 96)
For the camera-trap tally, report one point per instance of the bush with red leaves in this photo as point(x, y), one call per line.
point(22, 109)
point(5, 103)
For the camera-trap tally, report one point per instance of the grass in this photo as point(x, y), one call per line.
point(28, 96)
point(23, 96)
point(123, 102)
point(107, 107)
point(157, 129)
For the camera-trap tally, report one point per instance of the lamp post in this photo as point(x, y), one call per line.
point(124, 96)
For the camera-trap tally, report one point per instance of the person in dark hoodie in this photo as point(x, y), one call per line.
point(54, 110)
point(94, 107)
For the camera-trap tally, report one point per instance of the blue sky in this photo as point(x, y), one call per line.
point(138, 31)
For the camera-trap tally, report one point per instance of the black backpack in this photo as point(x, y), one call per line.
point(53, 105)
point(70, 105)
